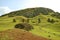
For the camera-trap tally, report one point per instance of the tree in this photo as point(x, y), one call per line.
point(27, 20)
point(14, 20)
point(48, 20)
point(52, 21)
point(39, 20)
point(23, 20)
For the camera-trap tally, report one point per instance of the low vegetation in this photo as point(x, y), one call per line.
point(24, 26)
point(39, 21)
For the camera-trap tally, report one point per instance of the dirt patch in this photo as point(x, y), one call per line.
point(18, 34)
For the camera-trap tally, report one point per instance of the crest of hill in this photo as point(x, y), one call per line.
point(32, 12)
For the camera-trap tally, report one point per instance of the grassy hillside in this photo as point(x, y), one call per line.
point(43, 28)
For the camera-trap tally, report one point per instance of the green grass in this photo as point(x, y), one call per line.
point(43, 29)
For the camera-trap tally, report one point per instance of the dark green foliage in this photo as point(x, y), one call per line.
point(27, 20)
point(33, 22)
point(19, 26)
point(52, 21)
point(11, 14)
point(45, 11)
point(54, 34)
point(57, 21)
point(39, 20)
point(23, 20)
point(56, 14)
point(24, 26)
point(49, 36)
point(3, 15)
point(30, 12)
point(14, 20)
point(49, 20)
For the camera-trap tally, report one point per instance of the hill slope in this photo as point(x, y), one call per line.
point(17, 34)
point(42, 28)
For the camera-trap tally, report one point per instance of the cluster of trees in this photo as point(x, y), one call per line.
point(56, 14)
point(27, 21)
point(22, 20)
point(51, 20)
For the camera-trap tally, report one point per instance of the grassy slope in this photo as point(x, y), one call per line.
point(42, 29)
point(45, 29)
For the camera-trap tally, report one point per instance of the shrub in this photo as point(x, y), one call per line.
point(39, 20)
point(51, 20)
point(24, 26)
point(48, 20)
point(49, 36)
point(14, 20)
point(19, 26)
point(27, 20)
point(23, 20)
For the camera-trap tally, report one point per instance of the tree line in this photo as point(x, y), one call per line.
point(39, 20)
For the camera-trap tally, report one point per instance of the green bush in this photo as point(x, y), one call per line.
point(51, 20)
point(14, 20)
point(39, 20)
point(48, 20)
point(24, 26)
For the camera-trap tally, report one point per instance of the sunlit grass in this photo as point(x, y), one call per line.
point(43, 29)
